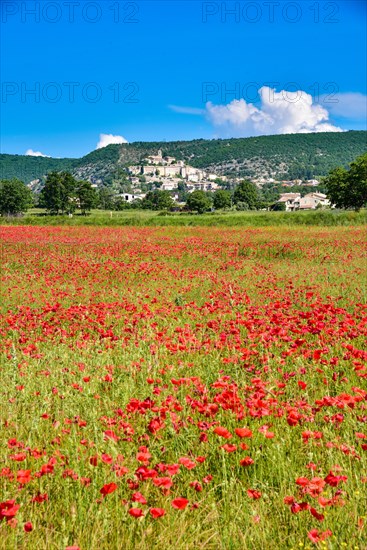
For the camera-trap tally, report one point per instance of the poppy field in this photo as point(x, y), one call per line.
point(183, 387)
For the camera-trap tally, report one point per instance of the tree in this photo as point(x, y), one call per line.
point(222, 199)
point(246, 192)
point(336, 186)
point(199, 201)
point(348, 188)
point(51, 194)
point(105, 199)
point(278, 206)
point(242, 206)
point(58, 194)
point(157, 200)
point(120, 204)
point(86, 195)
point(182, 191)
point(15, 197)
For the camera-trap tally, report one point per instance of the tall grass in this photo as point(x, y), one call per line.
point(327, 218)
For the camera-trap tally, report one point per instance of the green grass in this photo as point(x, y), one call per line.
point(325, 218)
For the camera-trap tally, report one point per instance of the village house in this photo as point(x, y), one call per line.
point(135, 170)
point(129, 197)
point(169, 185)
point(312, 201)
point(289, 199)
point(294, 201)
point(202, 186)
point(155, 159)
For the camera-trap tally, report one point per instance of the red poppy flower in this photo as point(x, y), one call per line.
point(247, 461)
point(297, 507)
point(24, 476)
point(93, 461)
point(136, 512)
point(143, 473)
point(316, 514)
point(165, 482)
point(144, 457)
point(243, 432)
point(157, 512)
point(293, 418)
point(172, 469)
point(207, 479)
point(108, 489)
point(40, 497)
point(110, 434)
point(222, 432)
point(138, 497)
point(302, 481)
point(28, 527)
point(187, 462)
point(316, 536)
point(196, 485)
point(253, 494)
point(333, 480)
point(18, 457)
point(155, 425)
point(229, 448)
point(180, 503)
point(8, 509)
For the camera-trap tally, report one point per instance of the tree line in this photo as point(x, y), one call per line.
point(63, 194)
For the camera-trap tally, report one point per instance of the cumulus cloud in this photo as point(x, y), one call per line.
point(108, 139)
point(31, 153)
point(347, 105)
point(281, 112)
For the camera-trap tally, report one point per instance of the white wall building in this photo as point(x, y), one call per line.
point(294, 201)
point(289, 199)
point(312, 201)
point(129, 197)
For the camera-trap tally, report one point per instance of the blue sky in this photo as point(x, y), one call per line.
point(166, 70)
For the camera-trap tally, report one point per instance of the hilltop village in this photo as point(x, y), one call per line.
point(169, 174)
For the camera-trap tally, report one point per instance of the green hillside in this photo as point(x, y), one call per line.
point(28, 168)
point(281, 157)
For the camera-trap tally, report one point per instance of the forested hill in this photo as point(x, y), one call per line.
point(280, 157)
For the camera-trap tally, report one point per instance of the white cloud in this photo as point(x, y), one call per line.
point(279, 113)
point(31, 153)
point(108, 139)
point(186, 110)
point(347, 105)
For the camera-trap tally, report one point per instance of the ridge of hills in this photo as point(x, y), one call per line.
point(281, 157)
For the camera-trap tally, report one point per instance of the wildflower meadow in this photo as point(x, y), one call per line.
point(183, 387)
